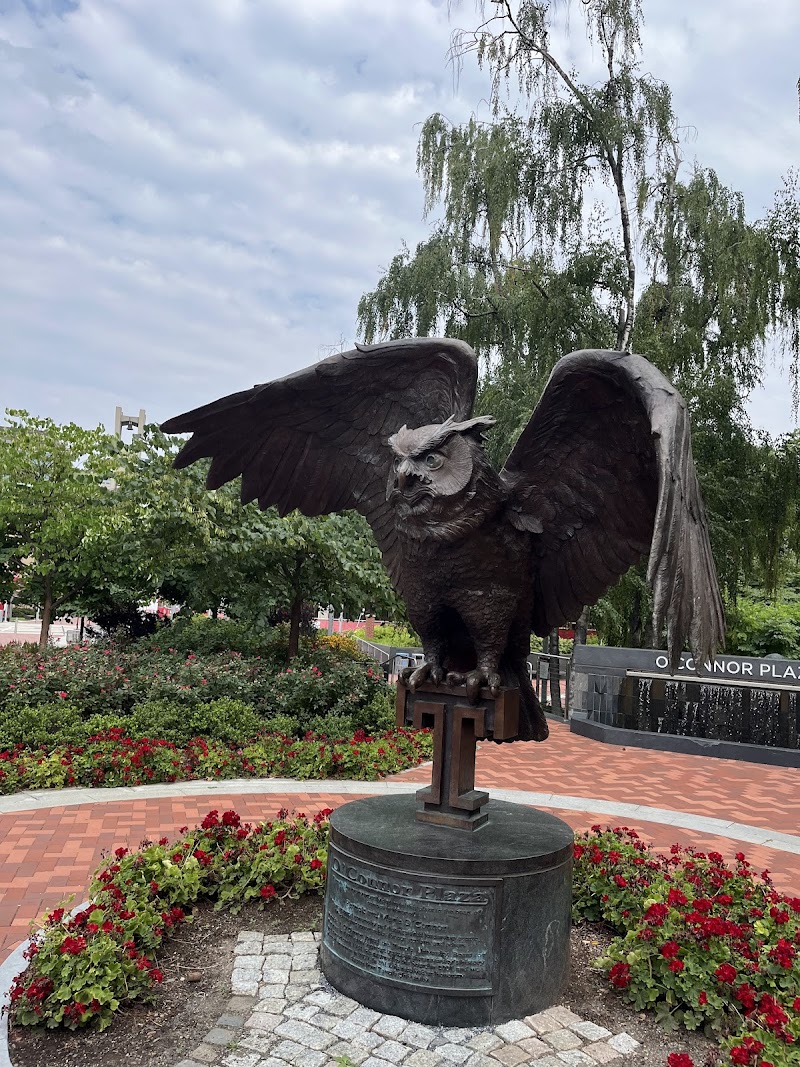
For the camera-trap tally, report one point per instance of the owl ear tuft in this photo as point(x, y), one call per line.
point(476, 427)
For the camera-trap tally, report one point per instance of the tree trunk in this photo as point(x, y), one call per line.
point(294, 626)
point(555, 674)
point(581, 627)
point(635, 622)
point(47, 614)
point(628, 313)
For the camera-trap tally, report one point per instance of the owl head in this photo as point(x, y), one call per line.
point(432, 465)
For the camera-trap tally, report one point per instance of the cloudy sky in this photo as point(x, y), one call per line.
point(194, 195)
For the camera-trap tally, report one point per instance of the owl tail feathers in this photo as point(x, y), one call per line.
point(532, 723)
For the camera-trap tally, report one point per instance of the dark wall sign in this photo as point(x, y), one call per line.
point(590, 658)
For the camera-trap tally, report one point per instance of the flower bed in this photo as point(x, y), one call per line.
point(703, 945)
point(87, 966)
point(700, 944)
point(112, 758)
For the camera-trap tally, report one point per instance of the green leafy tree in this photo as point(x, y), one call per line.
point(523, 267)
point(56, 515)
point(208, 551)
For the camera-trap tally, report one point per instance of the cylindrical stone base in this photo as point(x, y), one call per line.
point(443, 926)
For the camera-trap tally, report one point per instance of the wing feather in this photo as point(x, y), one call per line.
point(316, 440)
point(605, 466)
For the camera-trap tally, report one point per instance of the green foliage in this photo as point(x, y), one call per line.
point(758, 628)
point(120, 681)
point(59, 521)
point(210, 551)
point(221, 720)
point(88, 966)
point(701, 944)
point(206, 636)
point(102, 526)
point(394, 636)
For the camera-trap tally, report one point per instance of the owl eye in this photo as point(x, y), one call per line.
point(433, 461)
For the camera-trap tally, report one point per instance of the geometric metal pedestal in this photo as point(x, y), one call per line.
point(452, 799)
point(444, 927)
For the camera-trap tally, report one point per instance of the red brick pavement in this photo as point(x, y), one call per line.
point(49, 854)
point(576, 766)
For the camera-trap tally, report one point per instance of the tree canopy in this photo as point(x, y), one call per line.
point(92, 524)
point(568, 219)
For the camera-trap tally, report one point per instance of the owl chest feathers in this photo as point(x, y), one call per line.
point(492, 556)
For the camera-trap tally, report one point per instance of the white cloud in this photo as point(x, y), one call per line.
point(193, 196)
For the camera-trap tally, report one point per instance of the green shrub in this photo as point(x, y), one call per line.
point(205, 636)
point(389, 634)
point(46, 724)
point(223, 720)
point(332, 726)
point(286, 725)
point(380, 714)
point(762, 629)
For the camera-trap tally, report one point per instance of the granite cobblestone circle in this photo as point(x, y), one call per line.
point(283, 1013)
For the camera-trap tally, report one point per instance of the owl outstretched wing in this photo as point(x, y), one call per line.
point(316, 440)
point(604, 474)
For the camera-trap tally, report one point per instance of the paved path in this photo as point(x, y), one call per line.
point(51, 842)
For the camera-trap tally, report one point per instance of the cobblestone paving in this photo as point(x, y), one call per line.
point(284, 1014)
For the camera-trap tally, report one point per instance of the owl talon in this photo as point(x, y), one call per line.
point(476, 680)
point(414, 677)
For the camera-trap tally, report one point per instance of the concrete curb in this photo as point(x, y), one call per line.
point(42, 799)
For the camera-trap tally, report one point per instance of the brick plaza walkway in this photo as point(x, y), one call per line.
point(48, 853)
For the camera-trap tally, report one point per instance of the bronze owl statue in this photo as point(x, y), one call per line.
point(601, 475)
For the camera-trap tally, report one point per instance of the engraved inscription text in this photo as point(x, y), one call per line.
point(412, 931)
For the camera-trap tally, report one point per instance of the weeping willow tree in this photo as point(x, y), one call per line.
point(545, 213)
point(520, 263)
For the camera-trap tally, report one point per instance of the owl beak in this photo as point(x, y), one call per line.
point(401, 480)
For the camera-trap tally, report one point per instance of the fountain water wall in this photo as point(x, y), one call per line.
point(737, 707)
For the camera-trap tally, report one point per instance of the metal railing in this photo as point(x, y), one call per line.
point(540, 667)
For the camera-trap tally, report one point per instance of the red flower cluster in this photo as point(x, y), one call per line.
point(719, 943)
point(620, 975)
point(747, 1052)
